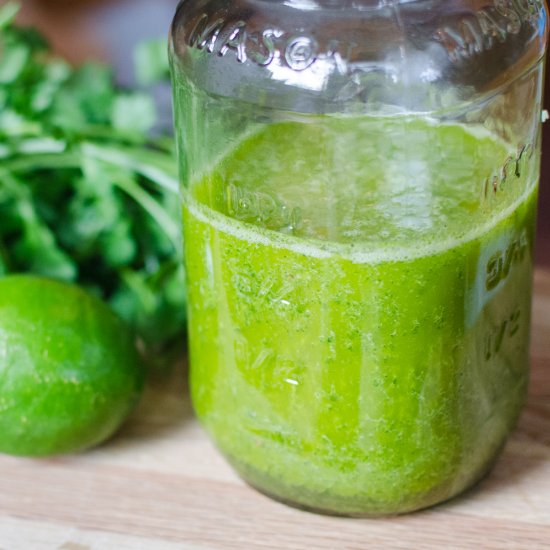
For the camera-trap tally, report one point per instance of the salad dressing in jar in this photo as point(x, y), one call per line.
point(359, 183)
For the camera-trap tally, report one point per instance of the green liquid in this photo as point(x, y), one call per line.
point(359, 329)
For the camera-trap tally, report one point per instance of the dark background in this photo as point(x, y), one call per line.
point(109, 29)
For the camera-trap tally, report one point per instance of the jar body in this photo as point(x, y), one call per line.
point(359, 279)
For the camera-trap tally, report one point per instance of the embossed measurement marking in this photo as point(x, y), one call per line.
point(501, 262)
point(514, 166)
point(259, 207)
point(496, 337)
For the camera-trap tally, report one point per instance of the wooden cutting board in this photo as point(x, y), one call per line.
point(161, 485)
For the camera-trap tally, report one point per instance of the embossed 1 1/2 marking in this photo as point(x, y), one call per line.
point(508, 328)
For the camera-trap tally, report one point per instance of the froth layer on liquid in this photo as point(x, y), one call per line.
point(356, 253)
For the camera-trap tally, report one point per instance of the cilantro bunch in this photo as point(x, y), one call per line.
point(87, 193)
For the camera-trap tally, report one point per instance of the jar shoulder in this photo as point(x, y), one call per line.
point(333, 53)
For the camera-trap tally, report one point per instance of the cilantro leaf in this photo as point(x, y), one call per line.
point(87, 193)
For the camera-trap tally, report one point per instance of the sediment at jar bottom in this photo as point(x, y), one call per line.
point(360, 384)
point(360, 505)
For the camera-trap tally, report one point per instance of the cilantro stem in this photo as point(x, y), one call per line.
point(118, 157)
point(155, 167)
point(94, 132)
point(18, 191)
point(49, 161)
point(152, 207)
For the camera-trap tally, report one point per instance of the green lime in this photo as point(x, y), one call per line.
point(69, 369)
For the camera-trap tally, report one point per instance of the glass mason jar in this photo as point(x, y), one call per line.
point(359, 182)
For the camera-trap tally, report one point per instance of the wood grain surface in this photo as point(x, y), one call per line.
point(160, 484)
